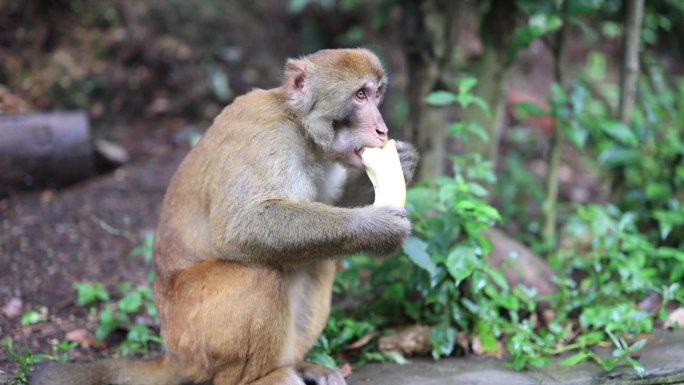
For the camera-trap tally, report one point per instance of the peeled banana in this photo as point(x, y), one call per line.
point(384, 170)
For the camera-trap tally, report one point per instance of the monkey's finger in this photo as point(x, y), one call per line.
point(405, 147)
point(398, 211)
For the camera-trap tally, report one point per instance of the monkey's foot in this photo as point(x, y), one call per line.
point(319, 375)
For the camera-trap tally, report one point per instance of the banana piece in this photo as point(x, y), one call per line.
point(384, 170)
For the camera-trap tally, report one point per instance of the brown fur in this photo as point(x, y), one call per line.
point(247, 232)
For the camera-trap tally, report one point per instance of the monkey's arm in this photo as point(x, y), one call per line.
point(280, 231)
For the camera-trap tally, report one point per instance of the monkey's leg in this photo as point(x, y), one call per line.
point(317, 307)
point(226, 321)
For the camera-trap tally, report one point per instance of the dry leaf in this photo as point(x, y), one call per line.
point(462, 341)
point(676, 317)
point(81, 337)
point(547, 316)
point(345, 370)
point(409, 340)
point(12, 308)
point(361, 342)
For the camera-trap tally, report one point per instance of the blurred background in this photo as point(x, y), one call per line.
point(558, 121)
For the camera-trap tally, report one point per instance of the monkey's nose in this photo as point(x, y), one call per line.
point(381, 130)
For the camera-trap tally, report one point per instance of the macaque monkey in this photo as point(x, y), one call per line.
point(251, 224)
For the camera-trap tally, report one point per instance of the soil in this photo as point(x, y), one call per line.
point(53, 238)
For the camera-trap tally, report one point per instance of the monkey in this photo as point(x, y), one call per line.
point(250, 227)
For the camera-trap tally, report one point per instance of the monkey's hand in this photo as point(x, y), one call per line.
point(408, 158)
point(384, 229)
point(319, 375)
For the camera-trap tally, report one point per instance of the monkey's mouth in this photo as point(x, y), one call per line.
point(356, 159)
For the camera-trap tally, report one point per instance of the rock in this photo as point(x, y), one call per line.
point(536, 273)
point(113, 153)
point(409, 340)
point(663, 360)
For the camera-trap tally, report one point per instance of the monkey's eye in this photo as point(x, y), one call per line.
point(361, 95)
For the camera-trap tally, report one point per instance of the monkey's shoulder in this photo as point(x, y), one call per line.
point(258, 106)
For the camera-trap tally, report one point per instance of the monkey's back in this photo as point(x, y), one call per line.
point(244, 157)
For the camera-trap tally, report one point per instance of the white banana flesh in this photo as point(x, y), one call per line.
point(384, 170)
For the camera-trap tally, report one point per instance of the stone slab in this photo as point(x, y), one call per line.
point(663, 359)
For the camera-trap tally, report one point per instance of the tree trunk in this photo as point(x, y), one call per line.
point(549, 206)
point(39, 149)
point(429, 36)
point(498, 26)
point(630, 64)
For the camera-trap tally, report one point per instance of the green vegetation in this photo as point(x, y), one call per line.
point(26, 359)
point(612, 257)
point(134, 311)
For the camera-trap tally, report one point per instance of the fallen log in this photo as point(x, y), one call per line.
point(45, 149)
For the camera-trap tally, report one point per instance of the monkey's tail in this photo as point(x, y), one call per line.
point(116, 372)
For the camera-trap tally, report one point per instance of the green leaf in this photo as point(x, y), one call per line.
point(576, 134)
point(441, 98)
point(498, 277)
point(442, 338)
point(131, 302)
point(482, 104)
point(107, 324)
point(477, 130)
point(539, 361)
point(487, 337)
point(322, 358)
point(32, 317)
point(638, 345)
point(477, 190)
point(416, 250)
point(478, 281)
point(608, 364)
point(658, 191)
point(616, 156)
point(396, 357)
point(466, 84)
point(530, 109)
point(89, 293)
point(461, 262)
point(575, 359)
point(638, 368)
point(619, 131)
point(558, 95)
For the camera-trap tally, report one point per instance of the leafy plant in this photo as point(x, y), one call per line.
point(32, 317)
point(134, 310)
point(606, 266)
point(25, 359)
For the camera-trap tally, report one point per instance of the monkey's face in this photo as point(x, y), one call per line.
point(363, 125)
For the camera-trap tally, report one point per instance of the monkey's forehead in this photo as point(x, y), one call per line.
point(357, 62)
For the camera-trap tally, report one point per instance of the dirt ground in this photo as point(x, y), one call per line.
point(51, 239)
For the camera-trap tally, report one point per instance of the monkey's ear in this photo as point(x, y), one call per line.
point(296, 84)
